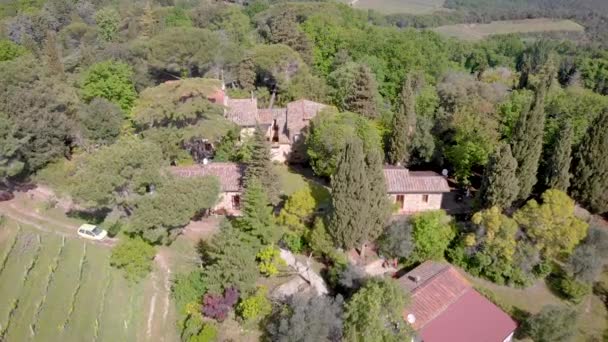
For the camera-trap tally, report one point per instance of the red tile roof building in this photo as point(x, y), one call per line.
point(445, 307)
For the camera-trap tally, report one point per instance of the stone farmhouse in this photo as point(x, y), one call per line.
point(445, 307)
point(283, 126)
point(415, 191)
point(411, 191)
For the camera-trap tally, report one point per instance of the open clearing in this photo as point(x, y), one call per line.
point(58, 288)
point(474, 32)
point(399, 6)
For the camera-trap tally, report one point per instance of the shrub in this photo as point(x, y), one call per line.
point(255, 307)
point(218, 306)
point(293, 241)
point(134, 256)
point(269, 261)
point(574, 290)
point(552, 323)
point(207, 334)
point(188, 288)
point(543, 269)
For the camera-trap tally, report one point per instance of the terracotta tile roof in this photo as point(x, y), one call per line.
point(439, 286)
point(267, 116)
point(401, 180)
point(230, 175)
point(447, 308)
point(299, 113)
point(243, 112)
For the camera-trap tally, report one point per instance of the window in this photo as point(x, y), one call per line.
point(236, 202)
point(400, 200)
point(425, 198)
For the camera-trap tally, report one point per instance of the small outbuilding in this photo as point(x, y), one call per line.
point(415, 191)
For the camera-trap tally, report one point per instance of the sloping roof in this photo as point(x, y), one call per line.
point(243, 112)
point(401, 180)
point(447, 308)
point(230, 175)
point(299, 113)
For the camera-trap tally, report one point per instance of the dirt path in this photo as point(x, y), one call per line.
point(26, 216)
point(159, 326)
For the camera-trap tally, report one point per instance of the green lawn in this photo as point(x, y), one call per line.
point(63, 289)
point(291, 181)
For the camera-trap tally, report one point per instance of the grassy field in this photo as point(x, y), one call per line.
point(474, 32)
point(56, 288)
point(399, 6)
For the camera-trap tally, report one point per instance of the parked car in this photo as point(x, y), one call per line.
point(89, 231)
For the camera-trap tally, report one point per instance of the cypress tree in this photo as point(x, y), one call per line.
point(559, 159)
point(590, 167)
point(362, 98)
point(53, 56)
point(258, 220)
point(404, 126)
point(527, 142)
point(359, 204)
point(499, 186)
point(260, 166)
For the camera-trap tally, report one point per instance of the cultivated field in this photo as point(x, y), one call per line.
point(480, 31)
point(58, 288)
point(399, 6)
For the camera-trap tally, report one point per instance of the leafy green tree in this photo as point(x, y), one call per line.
point(298, 210)
point(499, 186)
point(41, 107)
point(308, 319)
point(559, 160)
point(590, 167)
point(112, 81)
point(359, 204)
point(403, 126)
point(432, 233)
point(276, 65)
point(397, 240)
point(260, 166)
point(329, 133)
point(10, 50)
point(283, 29)
point(134, 256)
point(231, 261)
point(258, 220)
point(589, 258)
point(52, 54)
point(527, 143)
point(246, 74)
point(115, 175)
point(552, 225)
point(375, 313)
point(107, 20)
point(10, 160)
point(318, 238)
point(552, 323)
point(171, 141)
point(255, 307)
point(159, 217)
point(101, 121)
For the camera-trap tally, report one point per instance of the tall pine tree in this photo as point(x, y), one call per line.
point(362, 98)
point(359, 203)
point(499, 186)
point(559, 158)
point(527, 142)
point(258, 220)
point(590, 167)
point(260, 166)
point(404, 126)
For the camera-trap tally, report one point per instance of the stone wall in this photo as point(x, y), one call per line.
point(414, 203)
